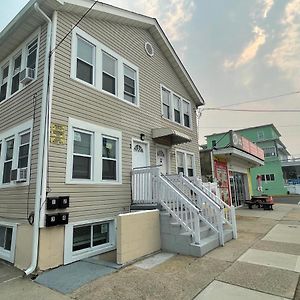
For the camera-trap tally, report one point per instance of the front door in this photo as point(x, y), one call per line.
point(139, 154)
point(162, 159)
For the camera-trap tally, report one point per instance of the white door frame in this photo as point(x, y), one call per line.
point(147, 147)
point(168, 155)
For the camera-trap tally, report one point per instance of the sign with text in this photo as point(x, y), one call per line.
point(245, 145)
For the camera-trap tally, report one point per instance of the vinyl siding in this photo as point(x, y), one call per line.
point(76, 100)
point(16, 110)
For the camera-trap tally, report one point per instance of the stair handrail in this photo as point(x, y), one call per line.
point(229, 210)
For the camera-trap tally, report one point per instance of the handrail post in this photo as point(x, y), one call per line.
point(233, 220)
point(197, 229)
point(220, 227)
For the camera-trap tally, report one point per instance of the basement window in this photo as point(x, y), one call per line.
point(7, 242)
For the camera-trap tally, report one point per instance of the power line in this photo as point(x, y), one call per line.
point(235, 126)
point(260, 99)
point(83, 16)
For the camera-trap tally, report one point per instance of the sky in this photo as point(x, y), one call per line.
point(235, 51)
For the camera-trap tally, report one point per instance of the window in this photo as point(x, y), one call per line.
point(7, 241)
point(24, 150)
point(5, 237)
point(15, 84)
point(109, 158)
point(213, 143)
point(4, 78)
point(129, 84)
point(32, 54)
point(95, 64)
point(270, 151)
point(82, 156)
point(178, 110)
point(268, 177)
point(8, 160)
point(88, 239)
point(15, 145)
point(166, 95)
point(89, 236)
point(185, 163)
point(85, 60)
point(24, 56)
point(186, 114)
point(260, 135)
point(109, 64)
point(94, 154)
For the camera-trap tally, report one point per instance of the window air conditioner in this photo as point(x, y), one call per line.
point(18, 175)
point(26, 75)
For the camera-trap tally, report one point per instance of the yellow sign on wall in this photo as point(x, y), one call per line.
point(58, 134)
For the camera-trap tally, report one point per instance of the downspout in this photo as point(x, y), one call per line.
point(42, 152)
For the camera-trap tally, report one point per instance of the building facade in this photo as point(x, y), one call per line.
point(267, 138)
point(80, 108)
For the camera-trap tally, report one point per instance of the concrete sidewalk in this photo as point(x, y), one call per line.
point(263, 263)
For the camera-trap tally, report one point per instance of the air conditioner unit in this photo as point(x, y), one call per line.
point(26, 75)
point(18, 175)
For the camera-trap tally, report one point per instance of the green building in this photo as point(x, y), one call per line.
point(266, 137)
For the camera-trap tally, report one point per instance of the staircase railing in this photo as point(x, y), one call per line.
point(159, 189)
point(198, 191)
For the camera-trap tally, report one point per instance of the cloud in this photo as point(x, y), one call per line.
point(286, 55)
point(266, 7)
point(250, 51)
point(172, 14)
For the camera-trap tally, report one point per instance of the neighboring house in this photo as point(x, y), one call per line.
point(228, 159)
point(80, 107)
point(267, 138)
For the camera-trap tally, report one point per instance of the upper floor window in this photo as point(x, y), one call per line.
point(260, 135)
point(94, 154)
point(15, 145)
point(85, 60)
point(107, 71)
point(175, 108)
point(3, 88)
point(270, 151)
point(13, 76)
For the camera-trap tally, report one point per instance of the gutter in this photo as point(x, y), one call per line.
point(43, 146)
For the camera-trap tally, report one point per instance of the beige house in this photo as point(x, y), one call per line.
point(84, 99)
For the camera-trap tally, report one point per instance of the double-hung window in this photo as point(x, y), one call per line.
point(85, 60)
point(94, 154)
point(9, 153)
point(24, 146)
point(186, 113)
point(15, 83)
point(129, 84)
point(108, 72)
point(15, 149)
point(32, 55)
point(175, 108)
point(109, 158)
point(4, 82)
point(185, 163)
point(166, 99)
point(82, 155)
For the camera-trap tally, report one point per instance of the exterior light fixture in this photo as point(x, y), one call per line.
point(142, 137)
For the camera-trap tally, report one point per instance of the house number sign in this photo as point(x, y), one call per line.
point(58, 134)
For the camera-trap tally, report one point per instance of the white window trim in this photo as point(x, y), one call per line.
point(10, 61)
point(172, 108)
point(98, 67)
point(185, 161)
point(5, 254)
point(96, 167)
point(15, 133)
point(70, 256)
point(267, 181)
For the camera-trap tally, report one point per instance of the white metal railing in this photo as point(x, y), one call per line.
point(229, 210)
point(149, 186)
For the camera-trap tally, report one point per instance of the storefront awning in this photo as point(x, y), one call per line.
point(170, 136)
point(240, 155)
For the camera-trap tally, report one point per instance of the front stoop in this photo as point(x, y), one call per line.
point(174, 238)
